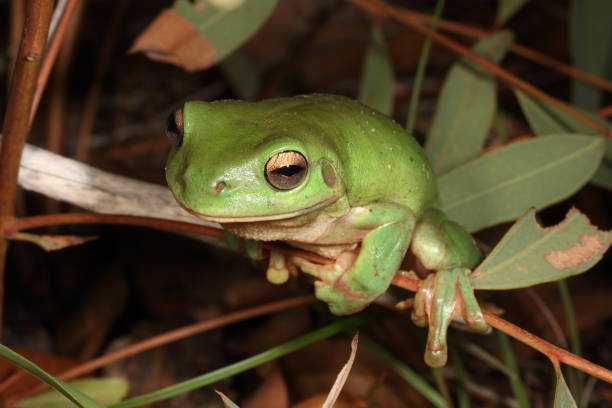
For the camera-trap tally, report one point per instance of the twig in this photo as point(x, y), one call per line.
point(518, 49)
point(49, 60)
point(398, 14)
point(171, 336)
point(15, 129)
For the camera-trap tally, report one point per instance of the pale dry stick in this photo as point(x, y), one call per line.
point(171, 336)
point(378, 6)
point(518, 49)
point(51, 54)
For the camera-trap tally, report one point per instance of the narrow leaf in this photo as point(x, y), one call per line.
point(334, 393)
point(74, 395)
point(546, 119)
point(198, 35)
point(52, 242)
point(591, 43)
point(242, 74)
point(603, 176)
point(563, 396)
point(503, 184)
point(466, 108)
point(377, 82)
point(529, 254)
point(508, 8)
point(228, 403)
point(103, 390)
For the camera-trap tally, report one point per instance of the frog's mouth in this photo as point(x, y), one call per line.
point(257, 218)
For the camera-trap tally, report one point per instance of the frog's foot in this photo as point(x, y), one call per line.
point(441, 297)
point(279, 268)
point(331, 287)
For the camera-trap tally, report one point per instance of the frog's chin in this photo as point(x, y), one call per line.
point(262, 218)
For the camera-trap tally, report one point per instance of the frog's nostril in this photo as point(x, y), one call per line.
point(220, 186)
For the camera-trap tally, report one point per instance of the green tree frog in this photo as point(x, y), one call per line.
point(326, 174)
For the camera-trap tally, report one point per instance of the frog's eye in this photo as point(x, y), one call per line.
point(174, 127)
point(286, 170)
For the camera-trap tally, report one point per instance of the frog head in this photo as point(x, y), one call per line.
point(235, 161)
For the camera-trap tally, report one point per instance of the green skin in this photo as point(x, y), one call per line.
point(367, 198)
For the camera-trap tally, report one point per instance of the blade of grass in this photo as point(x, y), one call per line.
point(576, 378)
point(463, 398)
point(442, 386)
point(409, 375)
point(518, 388)
point(421, 67)
point(243, 365)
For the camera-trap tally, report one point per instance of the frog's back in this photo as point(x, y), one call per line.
point(381, 161)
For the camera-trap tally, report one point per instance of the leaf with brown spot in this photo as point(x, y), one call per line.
point(529, 254)
point(197, 36)
point(52, 242)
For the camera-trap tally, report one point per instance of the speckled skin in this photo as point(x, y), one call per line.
point(368, 196)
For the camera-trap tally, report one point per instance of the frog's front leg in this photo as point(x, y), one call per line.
point(446, 248)
point(354, 280)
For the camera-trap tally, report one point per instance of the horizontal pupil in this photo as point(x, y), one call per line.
point(288, 171)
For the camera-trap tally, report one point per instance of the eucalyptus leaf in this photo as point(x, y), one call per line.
point(466, 108)
point(508, 8)
point(603, 176)
point(242, 74)
point(103, 390)
point(198, 34)
point(529, 254)
point(546, 119)
point(501, 185)
point(591, 47)
point(377, 82)
point(74, 395)
point(563, 396)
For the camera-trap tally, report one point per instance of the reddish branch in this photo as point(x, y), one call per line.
point(380, 7)
point(165, 338)
point(15, 129)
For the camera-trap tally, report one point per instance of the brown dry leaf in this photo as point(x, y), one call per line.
point(48, 362)
point(272, 393)
point(173, 39)
point(52, 242)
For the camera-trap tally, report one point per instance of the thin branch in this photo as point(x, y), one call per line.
point(51, 55)
point(553, 352)
point(15, 129)
point(171, 336)
point(399, 14)
point(518, 49)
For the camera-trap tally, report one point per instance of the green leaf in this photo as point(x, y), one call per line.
point(104, 390)
point(198, 34)
point(501, 185)
point(228, 403)
point(466, 108)
point(603, 176)
point(248, 363)
point(508, 8)
point(591, 47)
point(563, 396)
point(377, 81)
point(546, 119)
point(529, 254)
point(225, 24)
point(242, 74)
point(74, 395)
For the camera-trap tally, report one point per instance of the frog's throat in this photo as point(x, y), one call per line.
point(256, 218)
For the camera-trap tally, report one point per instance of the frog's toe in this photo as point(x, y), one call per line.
point(328, 273)
point(471, 312)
